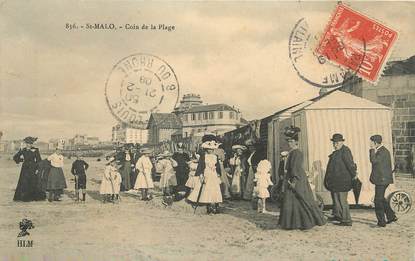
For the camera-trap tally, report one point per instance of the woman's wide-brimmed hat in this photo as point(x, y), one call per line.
point(146, 151)
point(210, 145)
point(238, 147)
point(30, 140)
point(337, 137)
point(165, 154)
point(291, 133)
point(209, 137)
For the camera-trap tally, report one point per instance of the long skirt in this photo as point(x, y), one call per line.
point(168, 179)
point(56, 179)
point(249, 187)
point(225, 183)
point(125, 176)
point(144, 181)
point(29, 186)
point(210, 192)
point(299, 209)
point(192, 181)
point(236, 184)
point(108, 187)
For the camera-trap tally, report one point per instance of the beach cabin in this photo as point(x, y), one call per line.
point(354, 117)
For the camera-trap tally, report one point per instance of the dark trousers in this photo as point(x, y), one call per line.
point(341, 209)
point(381, 205)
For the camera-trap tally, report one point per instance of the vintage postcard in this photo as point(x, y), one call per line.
point(207, 130)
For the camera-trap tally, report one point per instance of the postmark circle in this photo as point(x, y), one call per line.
point(311, 67)
point(138, 85)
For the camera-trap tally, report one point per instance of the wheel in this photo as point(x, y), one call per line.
point(320, 202)
point(400, 202)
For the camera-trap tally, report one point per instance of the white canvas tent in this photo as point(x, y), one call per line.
point(354, 117)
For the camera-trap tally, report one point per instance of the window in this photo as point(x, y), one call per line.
point(193, 116)
point(231, 115)
point(205, 115)
point(211, 115)
point(185, 117)
point(220, 115)
point(199, 116)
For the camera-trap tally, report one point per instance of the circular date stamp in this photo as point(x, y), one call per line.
point(138, 85)
point(311, 67)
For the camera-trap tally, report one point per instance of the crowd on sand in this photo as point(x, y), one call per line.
point(209, 176)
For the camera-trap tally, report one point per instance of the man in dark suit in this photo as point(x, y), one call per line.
point(381, 177)
point(340, 172)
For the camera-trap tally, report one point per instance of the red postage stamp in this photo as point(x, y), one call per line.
point(357, 42)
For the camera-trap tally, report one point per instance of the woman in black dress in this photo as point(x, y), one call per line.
point(299, 209)
point(28, 185)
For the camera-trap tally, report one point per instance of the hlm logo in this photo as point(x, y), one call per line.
point(24, 226)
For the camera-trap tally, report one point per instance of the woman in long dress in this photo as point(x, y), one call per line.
point(208, 170)
point(238, 164)
point(225, 185)
point(56, 180)
point(253, 159)
point(27, 188)
point(299, 209)
point(126, 171)
point(144, 181)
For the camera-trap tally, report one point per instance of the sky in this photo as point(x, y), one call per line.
point(52, 80)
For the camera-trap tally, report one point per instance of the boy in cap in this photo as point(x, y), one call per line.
point(79, 167)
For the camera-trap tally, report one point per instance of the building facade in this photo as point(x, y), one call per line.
point(198, 118)
point(395, 89)
point(161, 127)
point(122, 133)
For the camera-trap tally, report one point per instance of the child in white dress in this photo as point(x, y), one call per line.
point(144, 181)
point(111, 182)
point(193, 180)
point(263, 181)
point(168, 181)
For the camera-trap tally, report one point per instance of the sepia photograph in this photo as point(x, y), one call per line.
point(207, 130)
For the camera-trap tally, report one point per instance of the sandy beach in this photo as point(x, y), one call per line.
point(137, 230)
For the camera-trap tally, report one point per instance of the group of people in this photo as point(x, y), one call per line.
point(208, 176)
point(37, 176)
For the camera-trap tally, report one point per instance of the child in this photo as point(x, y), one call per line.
point(79, 167)
point(192, 180)
point(144, 181)
point(111, 182)
point(168, 179)
point(263, 181)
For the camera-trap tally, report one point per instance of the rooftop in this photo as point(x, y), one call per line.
point(165, 120)
point(211, 107)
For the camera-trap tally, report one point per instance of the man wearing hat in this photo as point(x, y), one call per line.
point(381, 177)
point(340, 172)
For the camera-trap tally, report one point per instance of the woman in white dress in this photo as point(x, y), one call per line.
point(238, 164)
point(144, 180)
point(168, 179)
point(208, 170)
point(111, 182)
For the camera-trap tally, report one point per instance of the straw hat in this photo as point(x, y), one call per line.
point(146, 151)
point(240, 147)
point(165, 154)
